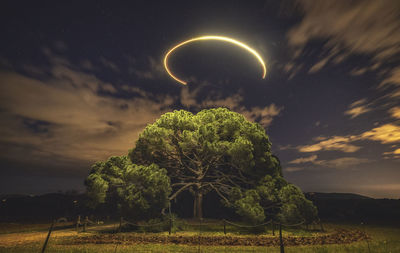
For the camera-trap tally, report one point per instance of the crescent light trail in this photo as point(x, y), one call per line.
point(220, 38)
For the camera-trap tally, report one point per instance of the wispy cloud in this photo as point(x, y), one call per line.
point(155, 70)
point(388, 133)
point(318, 66)
point(292, 169)
point(365, 27)
point(62, 116)
point(395, 152)
point(395, 112)
point(304, 159)
point(263, 115)
point(342, 163)
point(337, 163)
point(385, 134)
point(109, 64)
point(340, 143)
point(392, 79)
point(357, 108)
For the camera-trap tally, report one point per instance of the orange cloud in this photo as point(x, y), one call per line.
point(385, 134)
point(304, 159)
point(358, 107)
point(340, 143)
point(342, 163)
point(395, 112)
point(388, 133)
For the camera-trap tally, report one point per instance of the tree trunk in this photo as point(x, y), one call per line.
point(198, 206)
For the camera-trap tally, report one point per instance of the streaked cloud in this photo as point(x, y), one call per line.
point(357, 108)
point(318, 66)
point(263, 115)
point(363, 27)
point(108, 64)
point(394, 152)
point(292, 169)
point(342, 163)
point(155, 70)
point(393, 79)
point(340, 143)
point(304, 160)
point(63, 117)
point(337, 163)
point(395, 112)
point(388, 133)
point(385, 134)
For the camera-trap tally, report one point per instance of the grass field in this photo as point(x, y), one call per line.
point(30, 238)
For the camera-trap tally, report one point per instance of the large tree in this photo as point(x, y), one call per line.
point(213, 150)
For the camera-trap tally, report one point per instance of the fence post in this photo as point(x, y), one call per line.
point(85, 223)
point(280, 238)
point(224, 227)
point(48, 236)
point(366, 236)
point(273, 228)
point(170, 218)
point(170, 225)
point(78, 222)
point(201, 223)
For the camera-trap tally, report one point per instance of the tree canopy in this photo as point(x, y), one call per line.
point(213, 150)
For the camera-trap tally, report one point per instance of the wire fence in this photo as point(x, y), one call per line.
point(169, 223)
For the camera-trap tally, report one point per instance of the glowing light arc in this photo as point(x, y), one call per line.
point(220, 38)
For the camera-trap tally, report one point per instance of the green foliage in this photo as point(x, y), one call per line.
point(249, 207)
point(273, 198)
point(295, 207)
point(214, 150)
point(137, 191)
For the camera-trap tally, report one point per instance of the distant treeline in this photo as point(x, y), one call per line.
point(340, 207)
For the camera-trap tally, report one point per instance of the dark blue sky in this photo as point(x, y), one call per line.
point(79, 81)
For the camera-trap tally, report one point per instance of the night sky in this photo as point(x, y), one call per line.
point(79, 80)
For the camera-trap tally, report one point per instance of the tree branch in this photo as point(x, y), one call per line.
point(180, 190)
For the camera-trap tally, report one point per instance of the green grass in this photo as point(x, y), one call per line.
point(384, 239)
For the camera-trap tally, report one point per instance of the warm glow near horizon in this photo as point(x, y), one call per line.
point(219, 38)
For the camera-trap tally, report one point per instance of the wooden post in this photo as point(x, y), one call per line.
point(273, 228)
point(170, 225)
point(85, 223)
point(201, 221)
point(170, 218)
point(280, 239)
point(224, 227)
point(366, 236)
point(48, 236)
point(78, 222)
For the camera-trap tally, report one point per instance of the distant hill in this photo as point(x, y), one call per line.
point(334, 195)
